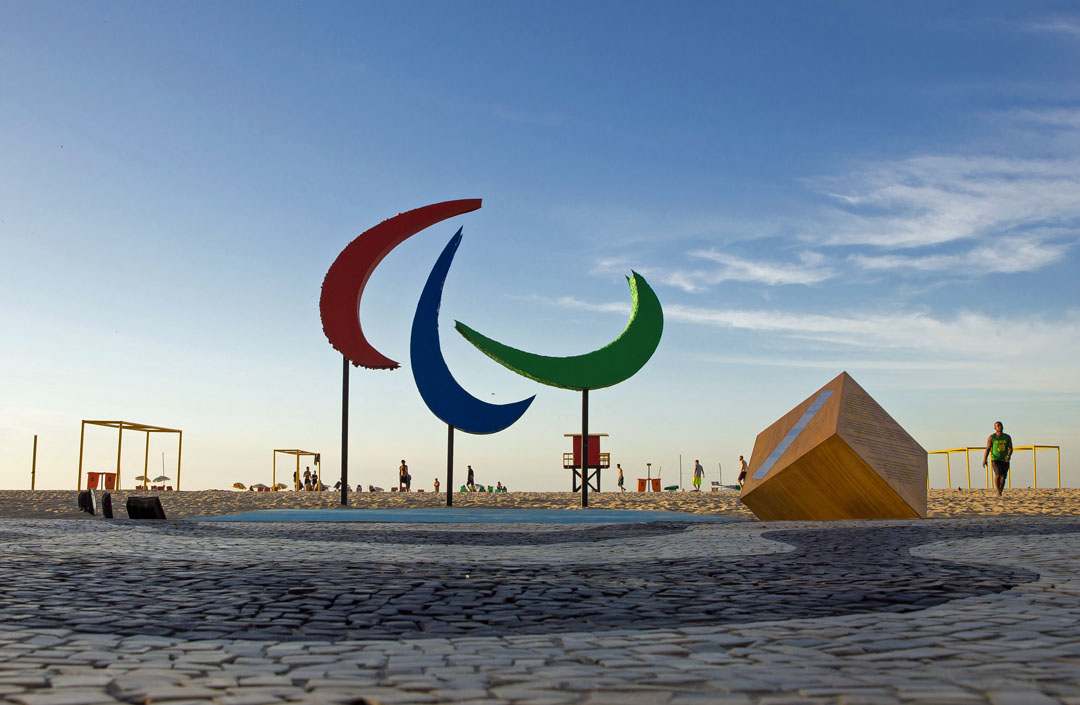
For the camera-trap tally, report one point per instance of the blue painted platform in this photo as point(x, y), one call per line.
point(460, 515)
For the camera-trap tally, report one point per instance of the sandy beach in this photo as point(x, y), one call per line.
point(188, 504)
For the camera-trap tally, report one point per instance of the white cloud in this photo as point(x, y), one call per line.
point(962, 337)
point(1002, 256)
point(1057, 25)
point(812, 268)
point(972, 214)
point(1059, 117)
point(932, 200)
point(573, 302)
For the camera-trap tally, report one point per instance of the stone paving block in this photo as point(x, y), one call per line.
point(247, 700)
point(168, 693)
point(630, 697)
point(389, 696)
point(67, 696)
point(789, 700)
point(783, 657)
point(867, 699)
point(24, 681)
point(1020, 697)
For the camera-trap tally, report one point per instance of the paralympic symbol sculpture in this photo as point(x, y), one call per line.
point(339, 307)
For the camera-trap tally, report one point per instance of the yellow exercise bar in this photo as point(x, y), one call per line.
point(967, 455)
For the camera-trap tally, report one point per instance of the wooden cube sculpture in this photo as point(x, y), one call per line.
point(838, 455)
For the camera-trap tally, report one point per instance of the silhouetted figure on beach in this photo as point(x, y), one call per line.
point(743, 467)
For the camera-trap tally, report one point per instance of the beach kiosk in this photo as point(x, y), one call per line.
point(121, 426)
point(597, 461)
point(317, 457)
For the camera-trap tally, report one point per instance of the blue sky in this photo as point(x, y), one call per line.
point(887, 189)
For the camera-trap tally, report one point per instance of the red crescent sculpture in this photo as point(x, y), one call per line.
point(344, 284)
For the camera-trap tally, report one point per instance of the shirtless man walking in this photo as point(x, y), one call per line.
point(999, 449)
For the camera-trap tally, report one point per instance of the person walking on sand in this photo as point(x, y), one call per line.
point(470, 480)
point(436, 485)
point(743, 467)
point(699, 472)
point(999, 449)
point(403, 477)
point(618, 467)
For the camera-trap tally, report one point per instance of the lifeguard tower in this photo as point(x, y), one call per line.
point(597, 461)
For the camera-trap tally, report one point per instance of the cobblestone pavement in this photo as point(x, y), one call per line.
point(934, 611)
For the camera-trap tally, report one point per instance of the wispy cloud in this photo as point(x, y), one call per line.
point(810, 269)
point(962, 333)
point(1058, 25)
point(1024, 253)
point(932, 200)
point(927, 213)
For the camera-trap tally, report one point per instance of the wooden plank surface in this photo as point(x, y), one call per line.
point(850, 461)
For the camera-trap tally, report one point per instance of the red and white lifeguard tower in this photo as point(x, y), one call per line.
point(597, 461)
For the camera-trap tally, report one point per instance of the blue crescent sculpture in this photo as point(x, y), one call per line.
point(440, 391)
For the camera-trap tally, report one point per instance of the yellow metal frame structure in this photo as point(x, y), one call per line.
point(967, 458)
point(122, 426)
point(297, 453)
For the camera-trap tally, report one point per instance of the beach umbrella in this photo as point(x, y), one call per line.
point(261, 486)
point(239, 486)
point(281, 486)
point(141, 478)
point(161, 478)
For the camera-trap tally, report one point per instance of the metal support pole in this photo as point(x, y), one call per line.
point(967, 459)
point(449, 465)
point(1034, 468)
point(344, 431)
point(119, 446)
point(584, 447)
point(146, 461)
point(1059, 466)
point(33, 464)
point(179, 451)
point(948, 471)
point(82, 436)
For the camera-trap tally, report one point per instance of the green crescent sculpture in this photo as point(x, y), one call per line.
point(617, 361)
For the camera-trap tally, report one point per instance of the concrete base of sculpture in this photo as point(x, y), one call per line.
point(838, 455)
